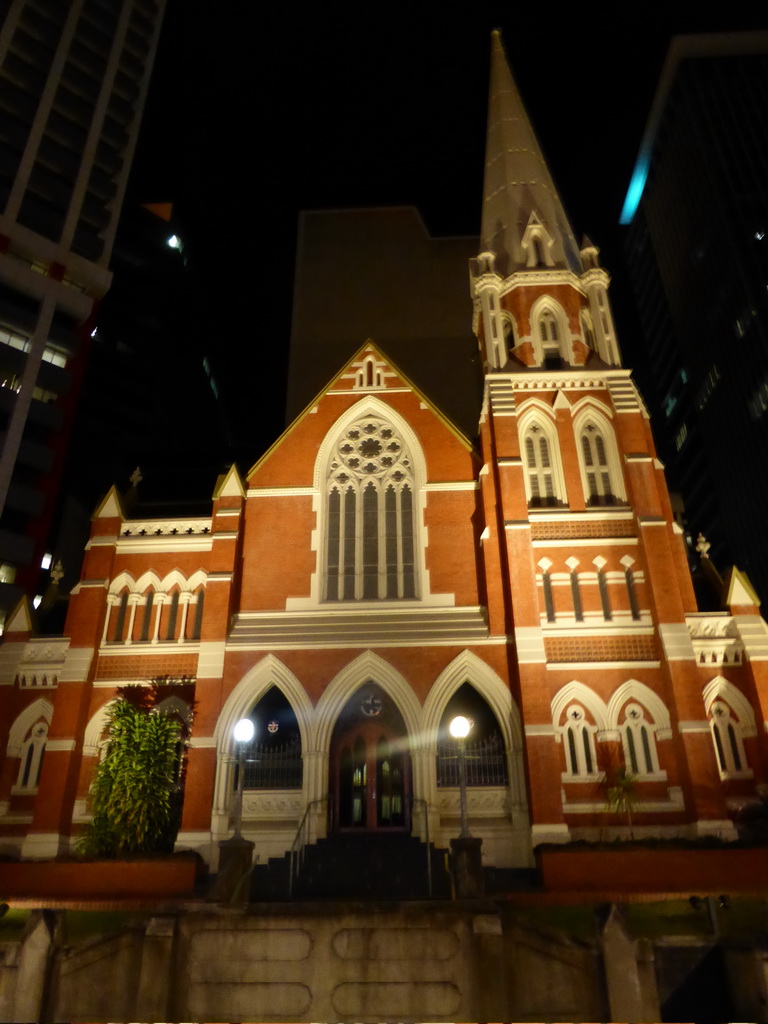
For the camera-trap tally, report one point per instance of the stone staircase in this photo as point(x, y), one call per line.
point(357, 866)
point(373, 866)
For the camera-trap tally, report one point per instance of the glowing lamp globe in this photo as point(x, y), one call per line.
point(459, 727)
point(244, 730)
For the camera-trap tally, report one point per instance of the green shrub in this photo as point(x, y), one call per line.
point(135, 794)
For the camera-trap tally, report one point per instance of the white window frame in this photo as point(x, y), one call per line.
point(728, 731)
point(586, 417)
point(635, 721)
point(32, 750)
point(583, 733)
point(532, 422)
point(342, 477)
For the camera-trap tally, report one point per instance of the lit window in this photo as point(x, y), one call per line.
point(727, 737)
point(639, 742)
point(593, 450)
point(370, 515)
point(579, 740)
point(32, 754)
point(46, 560)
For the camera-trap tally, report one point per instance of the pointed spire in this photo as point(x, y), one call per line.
point(518, 183)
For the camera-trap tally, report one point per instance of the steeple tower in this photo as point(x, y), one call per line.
point(539, 300)
point(593, 578)
point(524, 222)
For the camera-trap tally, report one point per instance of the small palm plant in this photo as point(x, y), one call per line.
point(621, 795)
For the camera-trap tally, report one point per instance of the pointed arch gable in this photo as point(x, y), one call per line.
point(95, 729)
point(373, 406)
point(32, 713)
point(538, 416)
point(579, 693)
point(175, 578)
point(467, 667)
point(721, 688)
point(368, 667)
point(591, 402)
point(268, 672)
point(199, 578)
point(532, 406)
point(546, 304)
point(147, 580)
point(174, 705)
point(591, 412)
point(124, 579)
point(642, 694)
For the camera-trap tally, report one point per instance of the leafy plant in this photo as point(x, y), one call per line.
point(135, 793)
point(620, 797)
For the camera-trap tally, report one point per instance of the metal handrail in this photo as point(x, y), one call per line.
point(420, 800)
point(297, 854)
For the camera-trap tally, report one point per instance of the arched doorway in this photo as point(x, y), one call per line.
point(370, 770)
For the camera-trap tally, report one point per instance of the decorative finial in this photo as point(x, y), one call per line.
point(136, 477)
point(57, 572)
point(703, 546)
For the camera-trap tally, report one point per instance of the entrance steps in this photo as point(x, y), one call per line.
point(372, 866)
point(357, 866)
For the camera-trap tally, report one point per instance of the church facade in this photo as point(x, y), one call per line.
point(377, 573)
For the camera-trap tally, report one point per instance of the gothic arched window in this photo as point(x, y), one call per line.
point(579, 740)
point(544, 481)
point(728, 740)
point(639, 742)
point(600, 485)
point(371, 514)
point(32, 754)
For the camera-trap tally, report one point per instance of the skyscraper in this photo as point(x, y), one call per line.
point(73, 81)
point(697, 247)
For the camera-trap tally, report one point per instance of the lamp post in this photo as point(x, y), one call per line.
point(236, 853)
point(466, 855)
point(459, 729)
point(243, 733)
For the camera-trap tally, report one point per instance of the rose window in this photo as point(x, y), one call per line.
point(370, 525)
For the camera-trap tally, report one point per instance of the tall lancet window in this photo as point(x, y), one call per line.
point(371, 515)
point(596, 466)
point(539, 464)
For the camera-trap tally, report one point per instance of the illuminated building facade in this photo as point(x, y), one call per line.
point(74, 80)
point(697, 248)
point(377, 572)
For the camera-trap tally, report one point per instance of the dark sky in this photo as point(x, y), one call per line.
point(258, 111)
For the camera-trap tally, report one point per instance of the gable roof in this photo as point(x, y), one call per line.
point(369, 347)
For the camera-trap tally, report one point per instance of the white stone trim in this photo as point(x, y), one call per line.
point(581, 666)
point(676, 641)
point(586, 542)
point(598, 512)
point(105, 541)
point(145, 648)
point(282, 492)
point(458, 485)
point(554, 833)
point(42, 845)
point(27, 717)
point(210, 662)
point(163, 545)
point(529, 642)
point(675, 804)
point(60, 745)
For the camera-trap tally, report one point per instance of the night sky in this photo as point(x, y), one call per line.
point(258, 112)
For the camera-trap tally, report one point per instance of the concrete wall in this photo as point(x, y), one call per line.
point(315, 963)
